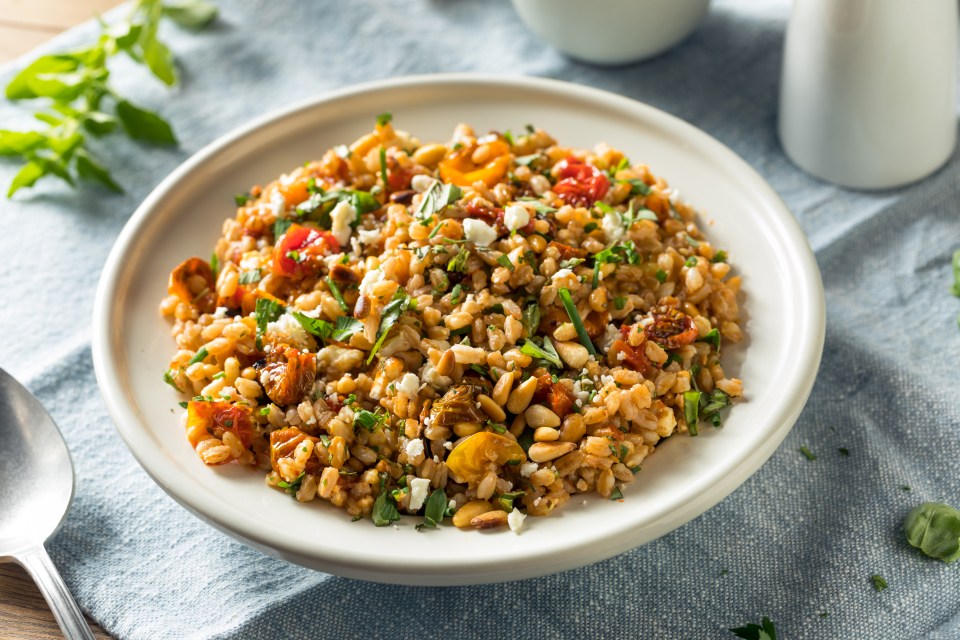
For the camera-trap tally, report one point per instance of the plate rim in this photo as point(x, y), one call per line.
point(126, 419)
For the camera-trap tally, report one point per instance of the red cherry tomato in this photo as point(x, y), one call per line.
point(580, 184)
point(215, 418)
point(300, 251)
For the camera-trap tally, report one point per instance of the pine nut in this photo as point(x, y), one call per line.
point(491, 408)
point(501, 390)
point(489, 520)
point(447, 361)
point(573, 353)
point(545, 434)
point(539, 416)
point(466, 428)
point(469, 511)
point(573, 428)
point(521, 396)
point(545, 451)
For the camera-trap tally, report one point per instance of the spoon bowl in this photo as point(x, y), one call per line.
point(36, 488)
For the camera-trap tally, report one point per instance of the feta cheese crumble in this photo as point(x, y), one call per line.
point(414, 448)
point(515, 217)
point(528, 468)
point(341, 217)
point(291, 331)
point(419, 488)
point(612, 226)
point(479, 232)
point(515, 519)
point(409, 384)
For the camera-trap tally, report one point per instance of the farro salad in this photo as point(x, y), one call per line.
point(480, 328)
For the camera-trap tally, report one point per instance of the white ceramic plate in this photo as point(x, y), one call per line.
point(686, 476)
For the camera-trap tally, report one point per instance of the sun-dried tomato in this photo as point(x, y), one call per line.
point(206, 419)
point(288, 374)
point(284, 443)
point(671, 328)
point(183, 284)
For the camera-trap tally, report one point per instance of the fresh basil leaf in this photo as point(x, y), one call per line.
point(292, 487)
point(638, 187)
point(934, 528)
point(99, 123)
point(391, 314)
point(90, 169)
point(158, 57)
point(538, 206)
point(65, 87)
point(504, 261)
point(531, 319)
point(712, 337)
point(384, 119)
point(646, 214)
point(434, 509)
point(26, 177)
point(17, 143)
point(526, 161)
point(19, 87)
point(280, 227)
point(250, 277)
point(192, 14)
point(691, 410)
point(368, 420)
point(764, 631)
point(436, 197)
point(145, 125)
point(384, 509)
point(533, 350)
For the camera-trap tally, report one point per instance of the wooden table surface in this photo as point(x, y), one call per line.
point(24, 24)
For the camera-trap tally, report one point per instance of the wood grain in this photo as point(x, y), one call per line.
point(24, 24)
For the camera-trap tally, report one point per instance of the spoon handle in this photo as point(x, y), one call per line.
point(55, 592)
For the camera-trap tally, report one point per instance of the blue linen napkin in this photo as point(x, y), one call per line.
point(797, 542)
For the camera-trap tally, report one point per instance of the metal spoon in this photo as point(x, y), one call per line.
point(36, 487)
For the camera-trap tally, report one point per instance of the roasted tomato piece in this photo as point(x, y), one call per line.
point(284, 443)
point(206, 419)
point(671, 328)
point(458, 404)
point(192, 281)
point(469, 459)
point(460, 169)
point(300, 251)
point(580, 184)
point(596, 323)
point(553, 394)
point(622, 354)
point(566, 251)
point(398, 178)
point(288, 375)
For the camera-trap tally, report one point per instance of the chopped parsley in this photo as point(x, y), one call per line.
point(368, 420)
point(504, 261)
point(294, 486)
point(168, 378)
point(617, 494)
point(384, 119)
point(620, 302)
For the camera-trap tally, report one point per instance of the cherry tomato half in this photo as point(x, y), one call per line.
point(300, 251)
point(580, 184)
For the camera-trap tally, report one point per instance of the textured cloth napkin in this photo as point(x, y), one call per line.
point(797, 542)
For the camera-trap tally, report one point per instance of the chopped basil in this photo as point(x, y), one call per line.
point(249, 277)
point(384, 509)
point(713, 337)
point(574, 315)
point(617, 494)
point(508, 136)
point(391, 314)
point(526, 439)
point(691, 410)
point(434, 510)
point(458, 263)
point(183, 405)
point(956, 273)
point(763, 631)
point(719, 256)
point(646, 214)
point(547, 352)
point(934, 528)
point(590, 227)
point(494, 308)
point(280, 227)
point(716, 401)
point(455, 294)
point(571, 263)
point(531, 319)
point(620, 302)
point(242, 199)
point(526, 161)
point(199, 356)
point(436, 198)
point(624, 252)
point(691, 261)
point(809, 455)
point(638, 187)
point(693, 242)
point(369, 420)
point(504, 261)
point(214, 265)
point(318, 206)
point(538, 206)
point(292, 487)
point(878, 582)
point(266, 311)
point(168, 378)
point(844, 451)
point(506, 499)
point(384, 119)
point(661, 276)
point(335, 291)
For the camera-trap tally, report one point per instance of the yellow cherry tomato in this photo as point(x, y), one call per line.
point(469, 459)
point(459, 168)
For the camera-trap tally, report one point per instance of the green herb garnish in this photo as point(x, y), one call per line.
point(384, 119)
point(619, 302)
point(266, 311)
point(199, 356)
point(434, 510)
point(506, 499)
point(719, 256)
point(934, 528)
point(531, 319)
point(249, 277)
point(844, 451)
point(526, 161)
point(764, 631)
point(691, 410)
point(391, 314)
point(169, 379)
point(384, 509)
point(335, 291)
point(547, 352)
point(458, 263)
point(878, 582)
point(504, 261)
point(455, 294)
point(616, 494)
point(436, 198)
point(368, 420)
point(713, 337)
point(383, 166)
point(574, 315)
point(292, 487)
point(661, 276)
point(810, 455)
point(280, 227)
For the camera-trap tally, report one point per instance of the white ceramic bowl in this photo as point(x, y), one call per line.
point(612, 31)
point(683, 478)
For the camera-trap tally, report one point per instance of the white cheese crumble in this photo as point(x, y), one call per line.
point(278, 204)
point(561, 274)
point(414, 448)
point(341, 217)
point(479, 232)
point(448, 445)
point(515, 217)
point(370, 278)
point(515, 520)
point(220, 313)
point(612, 226)
point(419, 487)
point(421, 183)
point(528, 468)
point(290, 331)
point(368, 236)
point(409, 384)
